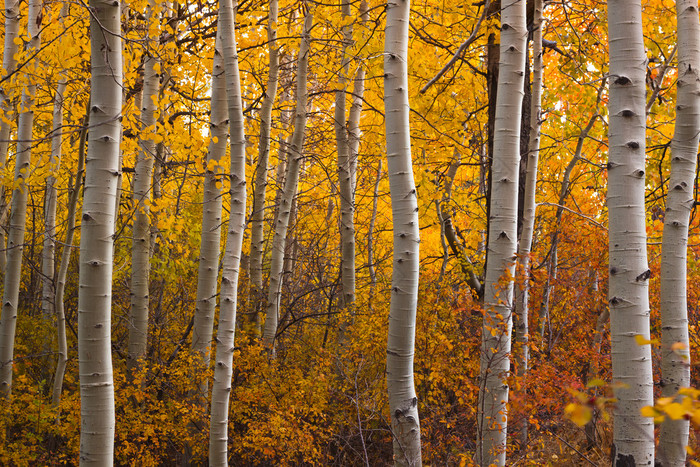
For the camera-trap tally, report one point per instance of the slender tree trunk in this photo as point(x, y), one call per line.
point(529, 205)
point(290, 188)
point(8, 64)
point(345, 182)
point(223, 370)
point(18, 215)
point(63, 269)
point(257, 240)
point(502, 239)
point(372, 225)
point(96, 245)
point(143, 176)
point(675, 355)
point(628, 291)
point(211, 207)
point(403, 403)
point(48, 251)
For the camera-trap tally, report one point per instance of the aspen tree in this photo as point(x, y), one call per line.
point(143, 176)
point(48, 251)
point(529, 204)
point(8, 64)
point(223, 370)
point(18, 214)
point(96, 243)
point(502, 243)
point(294, 150)
point(259, 193)
point(675, 355)
point(345, 175)
point(628, 291)
point(203, 327)
point(63, 269)
point(403, 403)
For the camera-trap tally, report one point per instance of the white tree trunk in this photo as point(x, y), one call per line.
point(257, 240)
point(8, 64)
point(290, 188)
point(675, 362)
point(63, 271)
point(498, 286)
point(96, 245)
point(223, 370)
point(18, 215)
point(211, 212)
point(345, 176)
point(529, 205)
point(628, 291)
point(403, 403)
point(141, 232)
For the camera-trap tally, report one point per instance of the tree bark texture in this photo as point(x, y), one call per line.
point(675, 361)
point(628, 291)
point(223, 370)
point(502, 239)
point(18, 214)
point(96, 242)
point(294, 149)
point(403, 403)
point(257, 238)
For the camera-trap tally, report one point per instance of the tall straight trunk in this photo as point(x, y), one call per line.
point(141, 233)
point(18, 215)
point(628, 291)
point(63, 270)
point(96, 245)
point(502, 239)
point(211, 212)
point(223, 370)
point(345, 176)
point(8, 64)
point(675, 361)
point(403, 403)
point(257, 240)
point(48, 251)
point(529, 204)
point(372, 225)
point(290, 187)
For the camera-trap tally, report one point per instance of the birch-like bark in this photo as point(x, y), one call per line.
point(372, 225)
point(628, 291)
point(529, 204)
point(675, 361)
point(97, 229)
point(9, 63)
point(345, 183)
point(502, 239)
point(18, 214)
point(294, 151)
point(63, 270)
point(223, 370)
point(403, 403)
point(257, 240)
point(48, 251)
point(211, 212)
point(141, 232)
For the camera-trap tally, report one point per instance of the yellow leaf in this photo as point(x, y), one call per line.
point(648, 411)
point(641, 340)
point(578, 414)
point(675, 411)
point(595, 383)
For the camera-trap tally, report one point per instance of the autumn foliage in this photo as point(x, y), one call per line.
point(323, 400)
